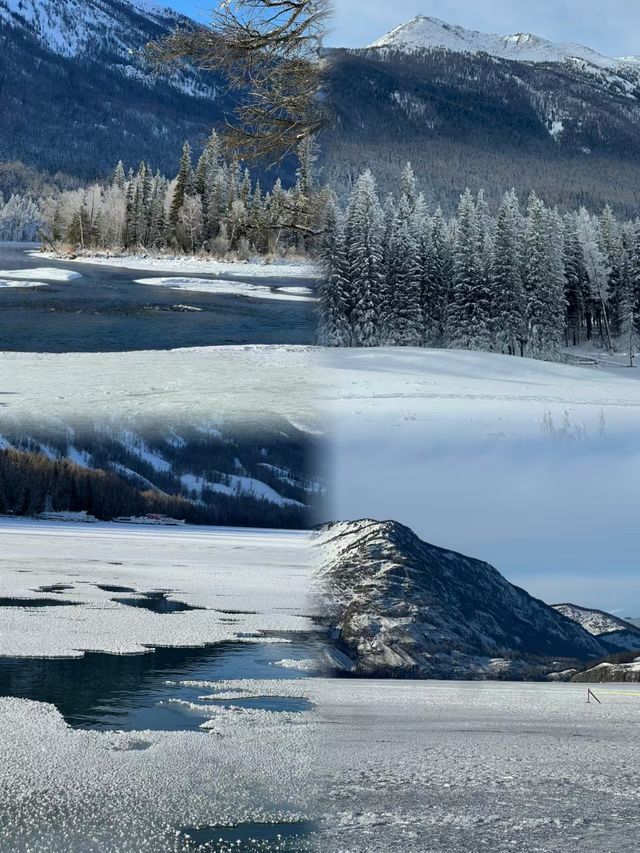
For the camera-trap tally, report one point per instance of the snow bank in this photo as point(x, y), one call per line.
point(255, 269)
point(233, 288)
point(47, 273)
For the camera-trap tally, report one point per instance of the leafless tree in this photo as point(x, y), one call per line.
point(270, 52)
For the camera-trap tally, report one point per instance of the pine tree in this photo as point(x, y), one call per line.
point(577, 284)
point(334, 308)
point(470, 309)
point(119, 177)
point(402, 321)
point(544, 283)
point(610, 240)
point(364, 236)
point(508, 297)
point(182, 188)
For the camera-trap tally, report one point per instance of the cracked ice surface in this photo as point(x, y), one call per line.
point(216, 569)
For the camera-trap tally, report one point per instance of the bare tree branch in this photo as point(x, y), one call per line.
point(271, 53)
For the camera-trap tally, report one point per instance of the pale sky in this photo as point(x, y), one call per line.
point(612, 28)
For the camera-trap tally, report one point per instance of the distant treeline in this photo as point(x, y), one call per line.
point(215, 205)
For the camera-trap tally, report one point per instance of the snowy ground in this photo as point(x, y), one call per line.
point(258, 268)
point(530, 465)
point(197, 384)
point(454, 768)
point(262, 574)
point(384, 766)
point(234, 288)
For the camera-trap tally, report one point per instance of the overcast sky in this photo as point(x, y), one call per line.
point(614, 30)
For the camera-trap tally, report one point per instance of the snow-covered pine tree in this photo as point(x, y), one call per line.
point(577, 283)
point(183, 187)
point(469, 321)
point(543, 278)
point(507, 288)
point(598, 272)
point(610, 241)
point(365, 261)
point(409, 187)
point(401, 323)
point(334, 328)
point(119, 177)
point(306, 173)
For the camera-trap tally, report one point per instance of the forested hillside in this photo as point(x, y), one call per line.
point(75, 93)
point(222, 474)
point(474, 120)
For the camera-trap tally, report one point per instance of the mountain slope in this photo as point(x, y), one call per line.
point(487, 112)
point(424, 33)
point(610, 629)
point(403, 607)
point(222, 474)
point(75, 95)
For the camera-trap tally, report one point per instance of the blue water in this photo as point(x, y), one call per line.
point(135, 692)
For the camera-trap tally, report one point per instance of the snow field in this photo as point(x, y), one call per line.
point(455, 767)
point(194, 384)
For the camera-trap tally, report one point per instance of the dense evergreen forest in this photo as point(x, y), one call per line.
point(520, 282)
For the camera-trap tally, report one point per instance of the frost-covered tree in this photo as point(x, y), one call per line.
point(401, 322)
point(469, 325)
point(544, 282)
point(336, 304)
point(507, 288)
point(365, 261)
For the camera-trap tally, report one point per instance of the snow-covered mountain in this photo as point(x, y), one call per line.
point(616, 632)
point(487, 111)
point(424, 33)
point(77, 95)
point(77, 27)
point(404, 608)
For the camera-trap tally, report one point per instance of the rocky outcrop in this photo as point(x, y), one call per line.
point(403, 608)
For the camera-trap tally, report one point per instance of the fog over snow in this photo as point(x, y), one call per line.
point(528, 465)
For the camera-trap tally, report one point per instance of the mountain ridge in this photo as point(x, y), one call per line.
point(470, 111)
point(77, 94)
point(401, 607)
point(424, 32)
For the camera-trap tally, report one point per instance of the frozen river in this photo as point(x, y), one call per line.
point(105, 309)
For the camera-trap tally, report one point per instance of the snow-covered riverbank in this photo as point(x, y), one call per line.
point(282, 268)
